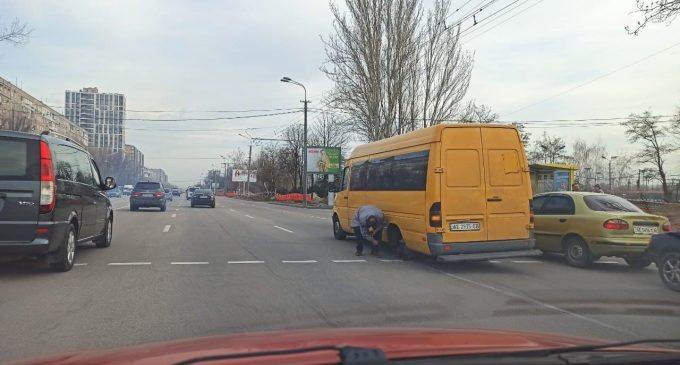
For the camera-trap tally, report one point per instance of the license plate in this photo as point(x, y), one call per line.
point(147, 195)
point(645, 229)
point(467, 226)
point(200, 196)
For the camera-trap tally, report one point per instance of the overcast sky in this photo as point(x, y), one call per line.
point(230, 55)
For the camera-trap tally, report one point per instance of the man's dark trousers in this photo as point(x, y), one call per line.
point(361, 241)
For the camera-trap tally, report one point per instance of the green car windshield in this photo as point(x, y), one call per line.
point(609, 203)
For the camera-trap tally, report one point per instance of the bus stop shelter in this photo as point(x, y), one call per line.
point(551, 177)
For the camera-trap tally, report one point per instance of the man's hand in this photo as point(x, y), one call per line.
point(375, 242)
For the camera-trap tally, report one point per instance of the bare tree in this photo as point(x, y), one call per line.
point(237, 159)
point(291, 159)
point(548, 149)
point(474, 113)
point(329, 130)
point(524, 135)
point(16, 33)
point(588, 158)
point(675, 123)
point(392, 71)
point(646, 129)
point(654, 11)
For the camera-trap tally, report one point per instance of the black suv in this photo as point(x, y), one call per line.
point(203, 197)
point(147, 194)
point(52, 197)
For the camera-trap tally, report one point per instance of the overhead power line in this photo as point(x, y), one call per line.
point(474, 36)
point(201, 111)
point(596, 78)
point(212, 118)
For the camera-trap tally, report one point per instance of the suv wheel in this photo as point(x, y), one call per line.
point(163, 208)
point(133, 208)
point(638, 262)
point(338, 233)
point(669, 270)
point(65, 255)
point(577, 253)
point(105, 239)
point(395, 240)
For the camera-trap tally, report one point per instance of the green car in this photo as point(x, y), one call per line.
point(585, 226)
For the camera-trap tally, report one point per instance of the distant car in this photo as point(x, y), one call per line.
point(585, 226)
point(190, 192)
point(168, 194)
point(114, 193)
point(664, 250)
point(176, 192)
point(148, 194)
point(203, 197)
point(127, 190)
point(51, 198)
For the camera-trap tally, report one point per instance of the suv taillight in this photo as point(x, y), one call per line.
point(159, 194)
point(615, 224)
point(47, 181)
point(666, 227)
point(436, 215)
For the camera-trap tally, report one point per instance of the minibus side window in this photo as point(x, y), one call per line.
point(357, 181)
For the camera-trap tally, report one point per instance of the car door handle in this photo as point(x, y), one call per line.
point(562, 220)
point(494, 199)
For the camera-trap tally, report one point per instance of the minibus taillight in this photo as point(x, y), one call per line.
point(531, 212)
point(436, 215)
point(47, 179)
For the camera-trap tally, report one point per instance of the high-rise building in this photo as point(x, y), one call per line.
point(134, 165)
point(19, 111)
point(102, 115)
point(155, 175)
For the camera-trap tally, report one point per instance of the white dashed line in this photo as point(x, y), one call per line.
point(526, 262)
point(386, 260)
point(299, 261)
point(189, 263)
point(128, 263)
point(495, 261)
point(283, 229)
point(173, 216)
point(176, 208)
point(607, 262)
point(166, 229)
point(245, 262)
point(250, 216)
point(231, 210)
point(319, 217)
point(348, 261)
point(80, 264)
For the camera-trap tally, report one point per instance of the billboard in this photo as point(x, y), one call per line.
point(240, 175)
point(323, 160)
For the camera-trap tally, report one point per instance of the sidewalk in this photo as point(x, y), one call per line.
point(299, 205)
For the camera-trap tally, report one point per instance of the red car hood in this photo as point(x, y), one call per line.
point(395, 342)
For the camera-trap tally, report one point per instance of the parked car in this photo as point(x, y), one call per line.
point(190, 192)
point(114, 193)
point(176, 192)
point(148, 194)
point(203, 197)
point(664, 250)
point(168, 194)
point(585, 226)
point(52, 197)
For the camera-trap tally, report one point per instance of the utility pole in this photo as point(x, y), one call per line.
point(304, 145)
point(250, 155)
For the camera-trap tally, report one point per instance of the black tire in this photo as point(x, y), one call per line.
point(212, 205)
point(577, 253)
point(638, 262)
point(133, 208)
point(163, 208)
point(669, 270)
point(105, 239)
point(62, 260)
point(395, 239)
point(338, 232)
point(193, 205)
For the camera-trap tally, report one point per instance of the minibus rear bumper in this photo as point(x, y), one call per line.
point(480, 251)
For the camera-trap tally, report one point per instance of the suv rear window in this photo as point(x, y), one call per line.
point(147, 186)
point(19, 159)
point(203, 191)
point(609, 203)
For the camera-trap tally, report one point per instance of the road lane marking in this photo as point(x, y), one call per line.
point(606, 262)
point(320, 218)
point(176, 208)
point(173, 216)
point(536, 302)
point(250, 216)
point(495, 261)
point(166, 229)
point(128, 263)
point(299, 261)
point(231, 210)
point(348, 261)
point(189, 263)
point(246, 262)
point(80, 264)
point(283, 229)
point(127, 206)
point(387, 260)
point(525, 262)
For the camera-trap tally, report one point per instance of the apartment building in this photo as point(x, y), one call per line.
point(102, 115)
point(19, 111)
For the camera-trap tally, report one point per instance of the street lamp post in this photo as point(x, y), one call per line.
point(304, 144)
point(610, 171)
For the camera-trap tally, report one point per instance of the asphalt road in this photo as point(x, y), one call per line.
point(247, 266)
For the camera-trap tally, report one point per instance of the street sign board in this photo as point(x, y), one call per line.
point(323, 160)
point(241, 175)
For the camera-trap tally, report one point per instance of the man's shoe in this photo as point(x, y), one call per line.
point(358, 254)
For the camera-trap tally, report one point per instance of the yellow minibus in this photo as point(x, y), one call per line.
point(456, 192)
